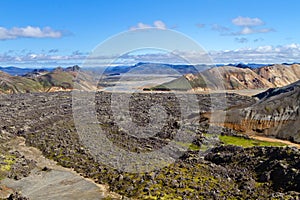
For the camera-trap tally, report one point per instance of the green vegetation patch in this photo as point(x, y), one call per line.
point(178, 84)
point(5, 165)
point(239, 141)
point(190, 146)
point(61, 79)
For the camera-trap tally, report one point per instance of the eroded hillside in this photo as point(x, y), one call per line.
point(235, 78)
point(275, 114)
point(46, 81)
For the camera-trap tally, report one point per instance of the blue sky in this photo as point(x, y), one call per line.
point(39, 33)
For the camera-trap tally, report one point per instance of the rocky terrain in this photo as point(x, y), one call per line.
point(46, 122)
point(275, 114)
point(236, 78)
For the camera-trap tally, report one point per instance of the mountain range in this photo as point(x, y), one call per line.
point(15, 71)
point(228, 170)
point(236, 78)
point(188, 77)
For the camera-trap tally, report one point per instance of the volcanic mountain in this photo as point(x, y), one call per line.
point(58, 79)
point(275, 114)
point(236, 78)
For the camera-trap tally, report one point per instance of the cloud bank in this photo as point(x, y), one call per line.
point(249, 30)
point(28, 32)
point(247, 21)
point(248, 25)
point(262, 54)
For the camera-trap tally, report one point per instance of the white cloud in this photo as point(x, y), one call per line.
point(292, 46)
point(248, 31)
point(247, 25)
point(142, 25)
point(25, 56)
point(261, 54)
point(247, 21)
point(159, 24)
point(28, 32)
point(156, 24)
point(265, 49)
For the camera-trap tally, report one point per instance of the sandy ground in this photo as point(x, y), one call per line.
point(137, 84)
point(242, 92)
point(267, 139)
point(58, 183)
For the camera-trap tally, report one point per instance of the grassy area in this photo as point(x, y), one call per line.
point(178, 84)
point(59, 79)
point(179, 179)
point(239, 141)
point(190, 146)
point(7, 163)
point(5, 166)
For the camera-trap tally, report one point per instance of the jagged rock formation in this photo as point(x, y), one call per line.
point(266, 164)
point(276, 113)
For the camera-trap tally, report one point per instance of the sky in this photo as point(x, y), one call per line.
point(50, 33)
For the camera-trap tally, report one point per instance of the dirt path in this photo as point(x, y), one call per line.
point(57, 183)
point(266, 139)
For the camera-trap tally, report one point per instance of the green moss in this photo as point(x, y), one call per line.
point(179, 180)
point(190, 146)
point(7, 163)
point(239, 141)
point(194, 147)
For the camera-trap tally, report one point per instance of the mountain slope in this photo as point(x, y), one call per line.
point(235, 78)
point(155, 68)
point(17, 84)
point(56, 80)
point(276, 114)
point(280, 75)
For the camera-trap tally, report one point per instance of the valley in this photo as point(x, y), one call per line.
point(212, 137)
point(207, 168)
point(149, 100)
